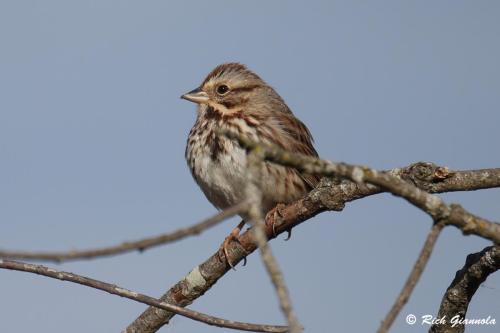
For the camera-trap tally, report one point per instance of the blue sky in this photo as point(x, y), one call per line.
point(92, 138)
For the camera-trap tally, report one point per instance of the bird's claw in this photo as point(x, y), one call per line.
point(233, 236)
point(276, 215)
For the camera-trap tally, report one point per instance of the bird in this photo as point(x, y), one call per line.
point(233, 98)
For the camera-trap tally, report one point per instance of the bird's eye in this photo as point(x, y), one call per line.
point(222, 89)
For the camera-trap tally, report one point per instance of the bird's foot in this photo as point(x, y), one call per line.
point(232, 237)
point(276, 217)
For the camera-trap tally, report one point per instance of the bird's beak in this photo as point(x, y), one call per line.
point(197, 96)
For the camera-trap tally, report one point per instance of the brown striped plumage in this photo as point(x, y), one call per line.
point(234, 98)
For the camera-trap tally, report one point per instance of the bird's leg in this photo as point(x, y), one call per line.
point(277, 216)
point(233, 236)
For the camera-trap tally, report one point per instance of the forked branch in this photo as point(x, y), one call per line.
point(431, 204)
point(330, 194)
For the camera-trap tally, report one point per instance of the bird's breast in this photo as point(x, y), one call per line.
point(218, 166)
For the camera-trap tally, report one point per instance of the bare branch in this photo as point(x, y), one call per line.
point(329, 195)
point(433, 205)
point(478, 266)
point(413, 278)
point(139, 245)
point(208, 273)
point(254, 196)
point(426, 175)
point(116, 290)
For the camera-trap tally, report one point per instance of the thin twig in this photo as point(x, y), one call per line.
point(116, 290)
point(413, 278)
point(139, 245)
point(254, 197)
point(456, 300)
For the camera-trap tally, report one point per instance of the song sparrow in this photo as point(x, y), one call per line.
point(235, 99)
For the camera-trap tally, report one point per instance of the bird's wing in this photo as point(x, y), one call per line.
point(298, 140)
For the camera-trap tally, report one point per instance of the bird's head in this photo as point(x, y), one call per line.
point(229, 87)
